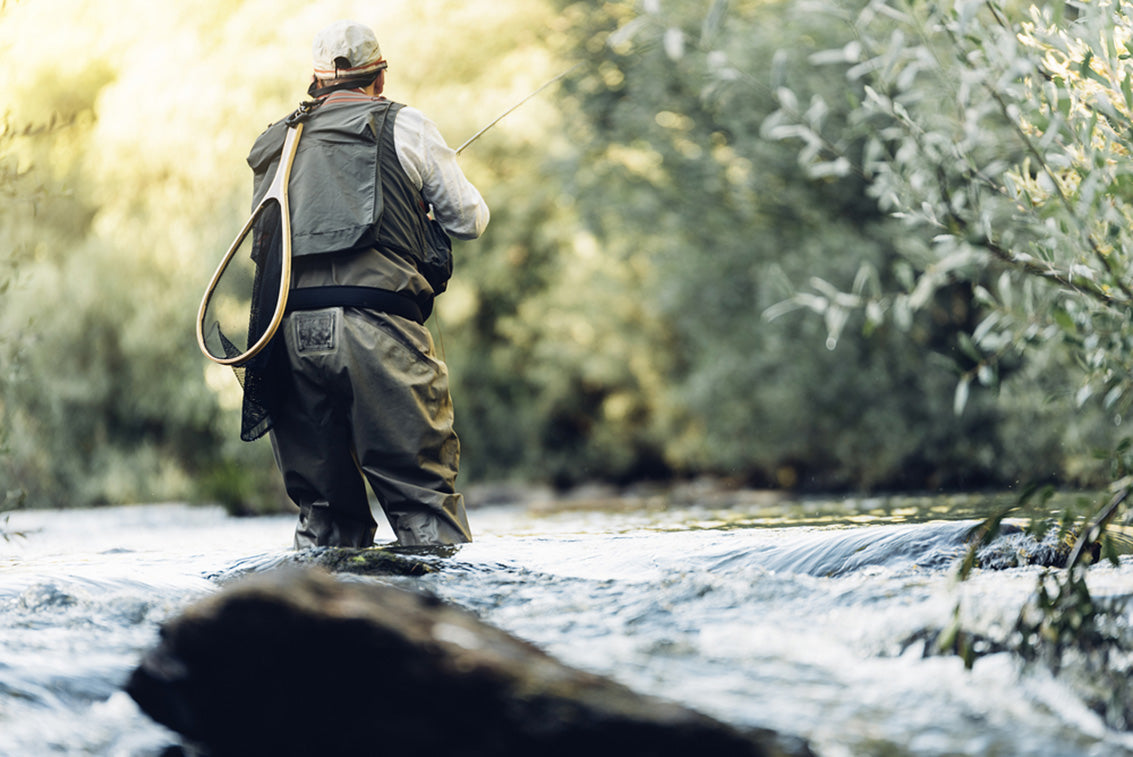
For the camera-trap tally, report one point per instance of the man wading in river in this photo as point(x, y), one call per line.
point(366, 398)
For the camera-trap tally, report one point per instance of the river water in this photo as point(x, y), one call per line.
point(794, 616)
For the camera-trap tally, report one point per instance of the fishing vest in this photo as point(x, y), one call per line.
point(347, 188)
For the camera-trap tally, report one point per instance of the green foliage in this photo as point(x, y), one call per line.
point(676, 176)
point(1080, 637)
point(1000, 135)
point(1011, 173)
point(1062, 627)
point(141, 193)
point(648, 213)
point(552, 358)
point(19, 195)
point(1061, 616)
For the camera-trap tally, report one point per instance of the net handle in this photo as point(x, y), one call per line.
point(277, 192)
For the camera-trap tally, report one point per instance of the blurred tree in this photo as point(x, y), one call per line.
point(1000, 135)
point(676, 178)
point(146, 187)
point(16, 200)
point(610, 325)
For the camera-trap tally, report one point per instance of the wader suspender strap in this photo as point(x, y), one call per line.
point(379, 130)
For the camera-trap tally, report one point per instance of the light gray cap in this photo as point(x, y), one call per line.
point(352, 41)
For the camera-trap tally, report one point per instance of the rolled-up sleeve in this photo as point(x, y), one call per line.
point(432, 166)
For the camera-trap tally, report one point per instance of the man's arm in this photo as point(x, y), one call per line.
point(432, 166)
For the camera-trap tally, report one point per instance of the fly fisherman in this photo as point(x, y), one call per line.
point(365, 397)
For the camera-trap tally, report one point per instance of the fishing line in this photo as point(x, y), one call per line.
point(507, 112)
point(436, 315)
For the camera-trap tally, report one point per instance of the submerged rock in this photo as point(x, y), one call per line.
point(379, 560)
point(1015, 547)
point(297, 662)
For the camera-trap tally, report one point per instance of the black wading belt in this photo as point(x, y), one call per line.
point(370, 298)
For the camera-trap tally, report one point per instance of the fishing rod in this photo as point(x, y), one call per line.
point(473, 138)
point(507, 112)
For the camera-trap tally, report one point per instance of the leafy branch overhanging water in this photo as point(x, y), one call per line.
point(1003, 135)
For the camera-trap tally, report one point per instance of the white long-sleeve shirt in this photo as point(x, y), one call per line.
point(431, 165)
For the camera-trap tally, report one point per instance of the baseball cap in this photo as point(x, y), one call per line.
point(347, 40)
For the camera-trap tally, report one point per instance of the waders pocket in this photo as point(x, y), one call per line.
point(316, 330)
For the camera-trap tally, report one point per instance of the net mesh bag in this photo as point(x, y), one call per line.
point(263, 376)
point(256, 267)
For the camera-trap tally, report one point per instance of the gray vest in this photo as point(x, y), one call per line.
point(347, 189)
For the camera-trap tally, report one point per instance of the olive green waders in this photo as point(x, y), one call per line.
point(367, 401)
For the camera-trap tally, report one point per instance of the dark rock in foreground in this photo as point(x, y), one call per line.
point(297, 662)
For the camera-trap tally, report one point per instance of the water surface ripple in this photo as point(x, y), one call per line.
point(746, 613)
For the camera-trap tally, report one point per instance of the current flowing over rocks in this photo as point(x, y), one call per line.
point(295, 661)
point(820, 619)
